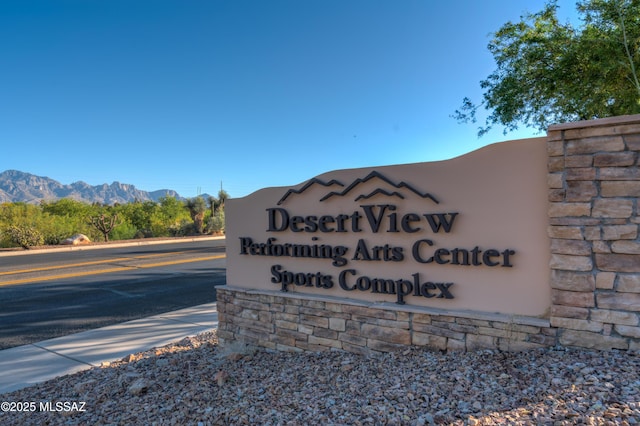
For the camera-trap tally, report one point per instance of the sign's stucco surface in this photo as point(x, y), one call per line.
point(468, 233)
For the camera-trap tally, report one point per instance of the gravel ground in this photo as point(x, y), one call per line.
point(195, 382)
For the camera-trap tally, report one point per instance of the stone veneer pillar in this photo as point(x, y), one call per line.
point(594, 185)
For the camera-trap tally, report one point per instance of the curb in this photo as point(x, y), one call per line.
point(104, 246)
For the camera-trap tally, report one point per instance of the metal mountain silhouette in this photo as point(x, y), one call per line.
point(306, 186)
point(380, 191)
point(377, 175)
point(373, 175)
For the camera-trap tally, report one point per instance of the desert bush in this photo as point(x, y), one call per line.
point(25, 236)
point(123, 231)
point(215, 224)
point(142, 233)
point(57, 220)
point(197, 208)
point(65, 207)
point(53, 239)
point(183, 228)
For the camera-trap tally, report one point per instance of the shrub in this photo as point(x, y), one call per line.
point(123, 231)
point(215, 224)
point(182, 229)
point(25, 236)
point(53, 239)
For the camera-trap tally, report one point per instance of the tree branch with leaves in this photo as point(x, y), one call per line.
point(548, 72)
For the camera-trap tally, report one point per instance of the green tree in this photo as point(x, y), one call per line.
point(213, 204)
point(168, 220)
point(138, 215)
point(20, 222)
point(548, 72)
point(19, 213)
point(216, 204)
point(65, 207)
point(171, 208)
point(223, 196)
point(215, 221)
point(197, 208)
point(64, 218)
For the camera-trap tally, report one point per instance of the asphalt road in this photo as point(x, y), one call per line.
point(50, 294)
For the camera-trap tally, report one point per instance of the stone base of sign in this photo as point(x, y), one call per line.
point(297, 322)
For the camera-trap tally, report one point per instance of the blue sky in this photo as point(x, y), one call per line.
point(188, 94)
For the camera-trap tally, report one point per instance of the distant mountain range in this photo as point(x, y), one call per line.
point(19, 186)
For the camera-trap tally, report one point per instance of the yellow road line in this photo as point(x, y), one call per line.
point(176, 262)
point(107, 271)
point(70, 265)
point(93, 262)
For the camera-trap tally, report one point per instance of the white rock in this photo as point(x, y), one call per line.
point(76, 239)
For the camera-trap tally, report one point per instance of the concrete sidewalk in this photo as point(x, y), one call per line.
point(27, 365)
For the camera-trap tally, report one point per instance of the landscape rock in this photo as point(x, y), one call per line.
point(77, 239)
point(415, 386)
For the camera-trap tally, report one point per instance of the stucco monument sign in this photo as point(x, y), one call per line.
point(462, 234)
point(518, 245)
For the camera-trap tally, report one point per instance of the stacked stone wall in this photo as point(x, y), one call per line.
point(594, 185)
point(294, 322)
